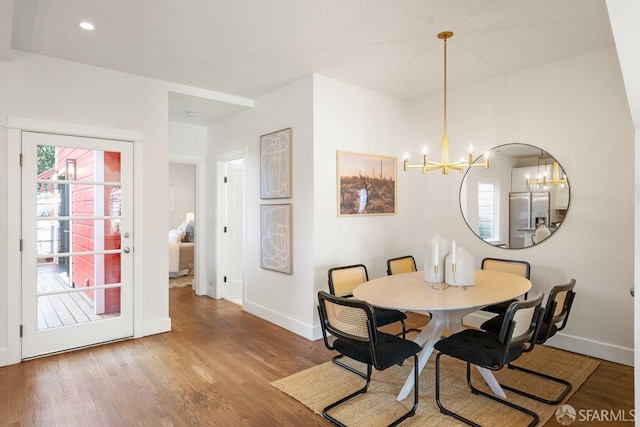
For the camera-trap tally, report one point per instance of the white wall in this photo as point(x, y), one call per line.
point(182, 179)
point(187, 139)
point(349, 118)
point(284, 299)
point(577, 111)
point(39, 87)
point(624, 16)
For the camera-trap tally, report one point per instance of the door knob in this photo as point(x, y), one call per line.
point(632, 290)
point(126, 250)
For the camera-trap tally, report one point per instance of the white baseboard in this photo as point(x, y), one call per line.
point(211, 291)
point(601, 350)
point(295, 326)
point(4, 358)
point(157, 326)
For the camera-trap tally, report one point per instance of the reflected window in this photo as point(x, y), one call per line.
point(488, 210)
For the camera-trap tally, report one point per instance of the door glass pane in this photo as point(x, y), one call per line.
point(78, 235)
point(72, 305)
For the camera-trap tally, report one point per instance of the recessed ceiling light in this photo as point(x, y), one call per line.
point(87, 26)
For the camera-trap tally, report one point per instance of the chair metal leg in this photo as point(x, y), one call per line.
point(444, 410)
point(347, 367)
point(351, 396)
point(363, 390)
point(404, 332)
point(412, 329)
point(412, 411)
point(567, 386)
point(474, 390)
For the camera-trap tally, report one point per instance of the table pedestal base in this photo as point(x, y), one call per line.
point(432, 333)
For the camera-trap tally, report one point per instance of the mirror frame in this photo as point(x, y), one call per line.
point(504, 159)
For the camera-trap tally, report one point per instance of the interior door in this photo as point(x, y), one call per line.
point(77, 216)
point(233, 253)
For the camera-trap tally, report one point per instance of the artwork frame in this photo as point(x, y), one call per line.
point(276, 237)
point(367, 184)
point(275, 164)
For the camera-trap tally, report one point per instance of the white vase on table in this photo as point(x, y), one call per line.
point(464, 273)
point(435, 251)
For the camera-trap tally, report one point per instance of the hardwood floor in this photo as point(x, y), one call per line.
point(213, 369)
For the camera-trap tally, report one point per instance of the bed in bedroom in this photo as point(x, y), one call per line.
point(180, 259)
point(181, 251)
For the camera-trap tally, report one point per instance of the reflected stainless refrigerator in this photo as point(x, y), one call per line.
point(526, 209)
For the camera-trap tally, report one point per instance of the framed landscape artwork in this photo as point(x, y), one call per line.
point(366, 184)
point(275, 165)
point(275, 237)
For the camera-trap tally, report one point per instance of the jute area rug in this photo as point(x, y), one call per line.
point(320, 385)
point(180, 282)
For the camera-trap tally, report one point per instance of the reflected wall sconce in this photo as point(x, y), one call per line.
point(70, 169)
point(445, 164)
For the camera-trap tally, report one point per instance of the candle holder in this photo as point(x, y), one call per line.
point(440, 285)
point(453, 277)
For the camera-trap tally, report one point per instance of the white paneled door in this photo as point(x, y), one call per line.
point(77, 234)
point(232, 253)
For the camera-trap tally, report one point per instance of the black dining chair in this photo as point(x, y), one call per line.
point(342, 281)
point(556, 314)
point(399, 265)
point(519, 329)
point(521, 268)
point(353, 325)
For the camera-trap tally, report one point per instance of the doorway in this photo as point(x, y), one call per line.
point(197, 166)
point(182, 222)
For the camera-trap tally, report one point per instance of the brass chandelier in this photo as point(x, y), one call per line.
point(541, 182)
point(445, 164)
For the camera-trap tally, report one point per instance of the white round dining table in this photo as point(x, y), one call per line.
point(447, 307)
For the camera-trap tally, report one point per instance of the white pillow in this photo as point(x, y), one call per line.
point(175, 236)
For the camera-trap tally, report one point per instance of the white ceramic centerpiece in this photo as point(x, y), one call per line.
point(459, 267)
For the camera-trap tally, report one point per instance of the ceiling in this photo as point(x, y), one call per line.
point(248, 48)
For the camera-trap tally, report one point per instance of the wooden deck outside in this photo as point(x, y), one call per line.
point(66, 309)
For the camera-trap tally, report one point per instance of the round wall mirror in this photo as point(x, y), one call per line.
point(519, 201)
